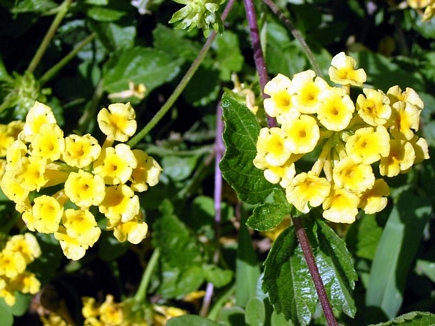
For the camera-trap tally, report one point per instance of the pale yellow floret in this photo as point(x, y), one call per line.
point(283, 174)
point(307, 190)
point(306, 89)
point(26, 244)
point(26, 282)
point(12, 263)
point(134, 230)
point(120, 204)
point(5, 140)
point(395, 94)
point(342, 71)
point(115, 164)
point(29, 172)
point(110, 312)
point(279, 103)
point(80, 151)
point(38, 115)
point(401, 158)
point(271, 145)
point(405, 119)
point(368, 144)
point(373, 107)
point(15, 152)
point(336, 109)
point(7, 293)
point(118, 121)
point(47, 213)
point(146, 173)
point(353, 176)
point(341, 206)
point(48, 142)
point(421, 149)
point(81, 225)
point(85, 189)
point(71, 248)
point(13, 189)
point(302, 134)
point(375, 199)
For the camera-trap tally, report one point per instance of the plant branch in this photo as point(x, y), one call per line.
point(142, 290)
point(63, 10)
point(182, 85)
point(55, 69)
point(260, 63)
point(314, 271)
point(296, 35)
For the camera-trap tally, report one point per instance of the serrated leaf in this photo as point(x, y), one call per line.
point(270, 214)
point(286, 279)
point(176, 242)
point(255, 313)
point(240, 138)
point(177, 282)
point(190, 320)
point(396, 251)
point(139, 65)
point(414, 318)
point(336, 269)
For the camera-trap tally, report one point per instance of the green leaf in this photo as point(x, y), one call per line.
point(255, 313)
point(177, 243)
point(199, 93)
point(336, 269)
point(218, 276)
point(179, 168)
point(177, 282)
point(414, 318)
point(240, 138)
point(114, 36)
point(396, 251)
point(37, 6)
point(7, 319)
point(21, 304)
point(190, 320)
point(229, 59)
point(104, 14)
point(139, 65)
point(247, 267)
point(287, 280)
point(369, 234)
point(51, 255)
point(271, 214)
point(233, 316)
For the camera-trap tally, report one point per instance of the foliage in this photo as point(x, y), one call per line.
point(223, 245)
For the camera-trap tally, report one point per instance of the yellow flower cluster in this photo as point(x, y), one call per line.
point(105, 176)
point(348, 136)
point(19, 251)
point(8, 134)
point(427, 5)
point(121, 314)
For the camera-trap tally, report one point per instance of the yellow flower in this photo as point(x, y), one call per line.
point(279, 103)
point(15, 152)
point(13, 189)
point(401, 158)
point(26, 282)
point(29, 172)
point(271, 145)
point(7, 293)
point(80, 151)
point(81, 226)
point(421, 149)
point(134, 230)
point(429, 12)
point(118, 121)
point(120, 204)
point(38, 115)
point(395, 94)
point(368, 145)
point(336, 110)
point(342, 71)
point(85, 189)
point(374, 108)
point(283, 174)
point(305, 91)
point(405, 118)
point(352, 176)
point(418, 4)
point(71, 248)
point(47, 213)
point(307, 190)
point(26, 244)
point(48, 142)
point(146, 173)
point(302, 134)
point(12, 263)
point(110, 312)
point(5, 140)
point(374, 200)
point(115, 164)
point(341, 206)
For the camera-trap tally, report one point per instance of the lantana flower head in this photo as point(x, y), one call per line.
point(118, 121)
point(355, 142)
point(80, 151)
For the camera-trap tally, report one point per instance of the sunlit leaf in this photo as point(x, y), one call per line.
point(189, 320)
point(415, 318)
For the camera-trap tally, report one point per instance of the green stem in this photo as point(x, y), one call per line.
point(90, 109)
point(55, 69)
point(63, 9)
point(296, 35)
point(182, 85)
point(142, 290)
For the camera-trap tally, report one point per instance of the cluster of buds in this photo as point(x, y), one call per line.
point(55, 181)
point(18, 252)
point(357, 142)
